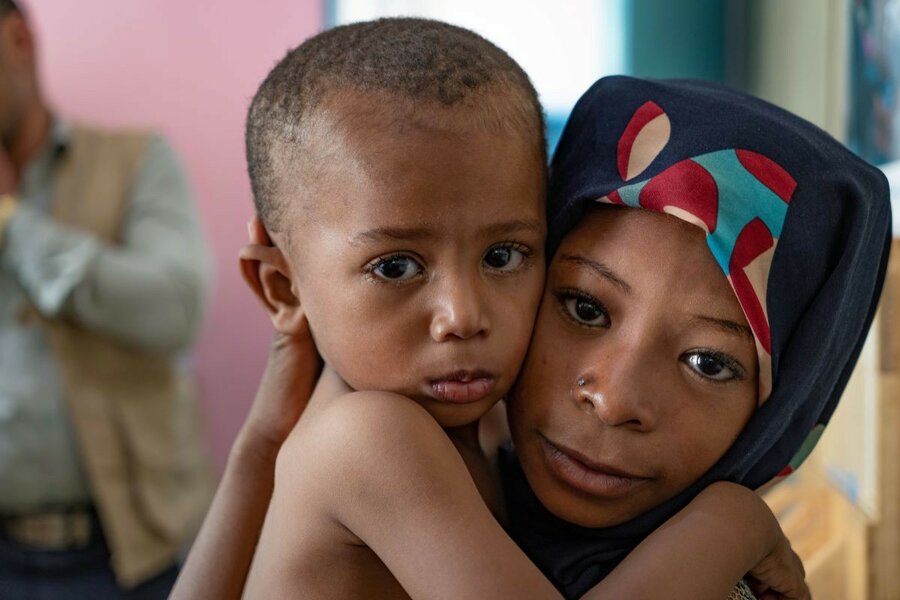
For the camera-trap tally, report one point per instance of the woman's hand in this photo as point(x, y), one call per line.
point(291, 372)
point(220, 557)
point(780, 574)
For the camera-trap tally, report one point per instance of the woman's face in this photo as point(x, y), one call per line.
point(641, 373)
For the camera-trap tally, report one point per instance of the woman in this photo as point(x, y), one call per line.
point(799, 225)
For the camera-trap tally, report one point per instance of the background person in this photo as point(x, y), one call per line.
point(103, 278)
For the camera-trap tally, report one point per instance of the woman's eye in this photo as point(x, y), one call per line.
point(396, 268)
point(587, 312)
point(504, 258)
point(710, 366)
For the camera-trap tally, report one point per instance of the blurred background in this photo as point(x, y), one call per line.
point(189, 69)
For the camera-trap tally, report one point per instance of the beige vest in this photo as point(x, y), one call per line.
point(135, 416)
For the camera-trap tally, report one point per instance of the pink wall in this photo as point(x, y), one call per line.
point(189, 70)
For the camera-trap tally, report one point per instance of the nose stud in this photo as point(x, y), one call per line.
point(581, 382)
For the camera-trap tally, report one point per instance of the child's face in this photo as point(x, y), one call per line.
point(422, 265)
point(642, 371)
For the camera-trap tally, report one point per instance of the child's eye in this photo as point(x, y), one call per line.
point(395, 268)
point(584, 309)
point(505, 257)
point(713, 365)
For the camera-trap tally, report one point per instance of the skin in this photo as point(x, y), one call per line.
point(638, 310)
point(24, 116)
point(430, 257)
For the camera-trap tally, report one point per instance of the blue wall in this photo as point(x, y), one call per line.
point(683, 38)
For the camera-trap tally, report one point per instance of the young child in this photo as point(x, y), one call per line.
point(398, 166)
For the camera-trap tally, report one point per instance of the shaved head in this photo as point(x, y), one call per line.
point(414, 72)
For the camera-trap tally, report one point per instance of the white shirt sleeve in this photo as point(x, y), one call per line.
point(149, 291)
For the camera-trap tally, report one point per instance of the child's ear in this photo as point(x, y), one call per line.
point(265, 269)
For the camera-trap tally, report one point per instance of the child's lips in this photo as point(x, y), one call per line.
point(463, 387)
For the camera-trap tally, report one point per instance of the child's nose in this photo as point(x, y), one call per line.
point(460, 312)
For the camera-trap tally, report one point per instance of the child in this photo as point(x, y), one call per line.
point(398, 166)
point(413, 245)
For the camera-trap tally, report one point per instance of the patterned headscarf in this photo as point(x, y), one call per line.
point(800, 226)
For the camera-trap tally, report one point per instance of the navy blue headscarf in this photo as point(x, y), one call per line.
point(800, 226)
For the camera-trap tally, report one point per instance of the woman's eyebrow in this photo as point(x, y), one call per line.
point(725, 325)
point(597, 268)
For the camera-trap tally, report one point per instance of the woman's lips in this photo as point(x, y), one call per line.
point(591, 477)
point(463, 387)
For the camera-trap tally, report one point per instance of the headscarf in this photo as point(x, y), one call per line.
point(800, 226)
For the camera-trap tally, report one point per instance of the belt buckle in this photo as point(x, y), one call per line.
point(51, 531)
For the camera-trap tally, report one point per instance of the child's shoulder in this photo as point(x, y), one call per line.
point(374, 410)
point(362, 435)
point(365, 454)
point(369, 420)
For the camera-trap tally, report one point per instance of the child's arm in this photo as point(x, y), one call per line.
point(220, 557)
point(386, 472)
point(724, 533)
point(381, 469)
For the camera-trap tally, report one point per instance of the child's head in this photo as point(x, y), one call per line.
point(399, 166)
point(709, 335)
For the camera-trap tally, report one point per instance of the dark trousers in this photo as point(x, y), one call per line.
point(84, 574)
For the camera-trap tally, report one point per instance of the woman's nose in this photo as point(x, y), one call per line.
point(616, 397)
point(460, 312)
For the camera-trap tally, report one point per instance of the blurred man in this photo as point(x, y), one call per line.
point(103, 274)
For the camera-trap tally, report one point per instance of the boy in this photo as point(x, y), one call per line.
point(398, 166)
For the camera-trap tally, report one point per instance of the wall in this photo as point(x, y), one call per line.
point(188, 69)
point(798, 58)
point(676, 39)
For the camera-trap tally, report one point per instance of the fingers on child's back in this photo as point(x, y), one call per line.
point(257, 252)
point(257, 232)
